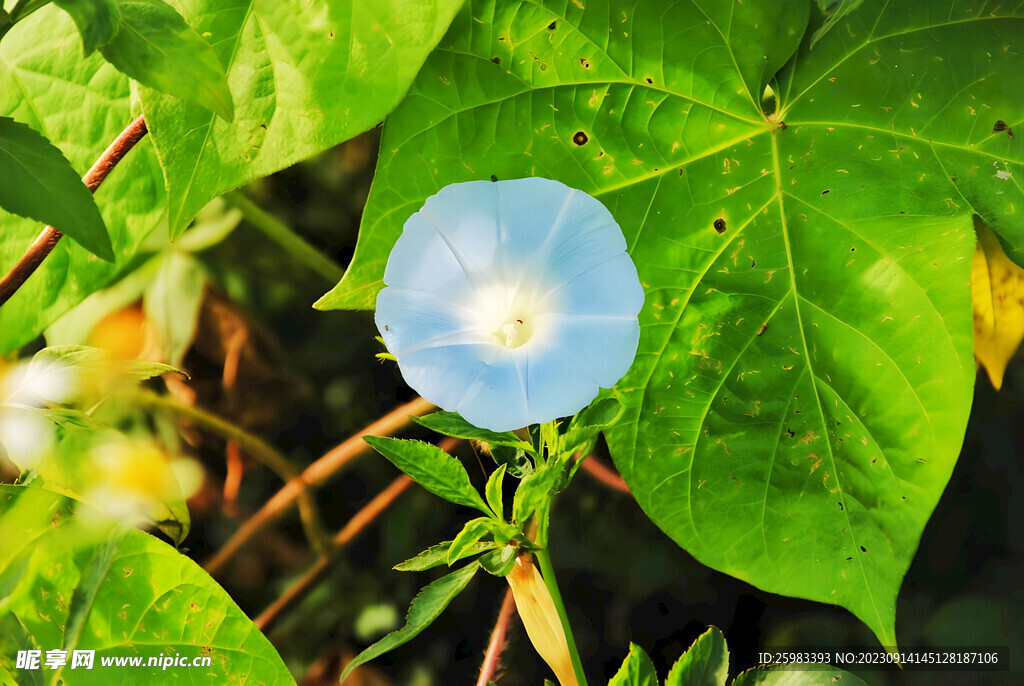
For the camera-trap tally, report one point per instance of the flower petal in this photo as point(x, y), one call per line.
point(611, 288)
point(558, 230)
point(557, 386)
point(421, 261)
point(409, 320)
point(603, 348)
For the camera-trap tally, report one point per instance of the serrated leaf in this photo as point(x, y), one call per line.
point(172, 303)
point(437, 555)
point(499, 562)
point(425, 608)
point(787, 676)
point(997, 292)
point(80, 105)
point(532, 491)
point(636, 670)
point(156, 47)
point(97, 20)
point(471, 533)
point(806, 336)
point(306, 76)
point(493, 491)
point(432, 468)
point(705, 663)
point(40, 184)
point(452, 424)
point(136, 584)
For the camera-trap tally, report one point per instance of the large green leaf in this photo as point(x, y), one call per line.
point(305, 76)
point(80, 105)
point(124, 594)
point(155, 46)
point(97, 20)
point(804, 373)
point(40, 184)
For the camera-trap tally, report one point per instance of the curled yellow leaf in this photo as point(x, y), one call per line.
point(997, 291)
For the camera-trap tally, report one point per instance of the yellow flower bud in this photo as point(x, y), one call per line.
point(543, 625)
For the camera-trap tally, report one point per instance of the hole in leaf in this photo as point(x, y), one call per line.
point(580, 138)
point(720, 225)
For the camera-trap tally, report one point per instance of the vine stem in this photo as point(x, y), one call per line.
point(279, 232)
point(253, 445)
point(604, 474)
point(547, 572)
point(47, 240)
point(492, 658)
point(315, 475)
point(360, 520)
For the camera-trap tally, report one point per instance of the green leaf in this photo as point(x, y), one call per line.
point(437, 555)
point(172, 303)
point(783, 676)
point(40, 184)
point(705, 663)
point(59, 357)
point(305, 76)
point(584, 427)
point(127, 597)
point(834, 11)
point(97, 20)
point(432, 468)
point(493, 493)
point(499, 562)
point(471, 533)
point(452, 424)
point(425, 608)
point(156, 47)
point(805, 349)
point(80, 105)
point(636, 670)
point(513, 459)
point(532, 491)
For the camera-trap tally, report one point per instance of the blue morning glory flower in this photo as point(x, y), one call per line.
point(511, 302)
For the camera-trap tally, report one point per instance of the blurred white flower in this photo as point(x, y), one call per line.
point(511, 302)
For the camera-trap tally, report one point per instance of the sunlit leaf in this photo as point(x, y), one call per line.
point(80, 105)
point(705, 663)
point(156, 47)
point(304, 75)
point(40, 184)
point(172, 303)
point(97, 20)
point(636, 670)
point(129, 595)
point(432, 468)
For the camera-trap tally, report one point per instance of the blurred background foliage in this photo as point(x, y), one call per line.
point(230, 303)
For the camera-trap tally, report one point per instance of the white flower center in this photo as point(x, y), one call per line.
point(513, 333)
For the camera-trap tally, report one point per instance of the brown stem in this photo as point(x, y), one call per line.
point(314, 475)
point(497, 643)
point(308, 581)
point(45, 241)
point(353, 528)
point(604, 474)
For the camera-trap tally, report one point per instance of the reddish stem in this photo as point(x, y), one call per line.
point(497, 643)
point(314, 475)
point(47, 240)
point(353, 528)
point(604, 474)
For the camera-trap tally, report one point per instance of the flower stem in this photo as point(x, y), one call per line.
point(548, 573)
